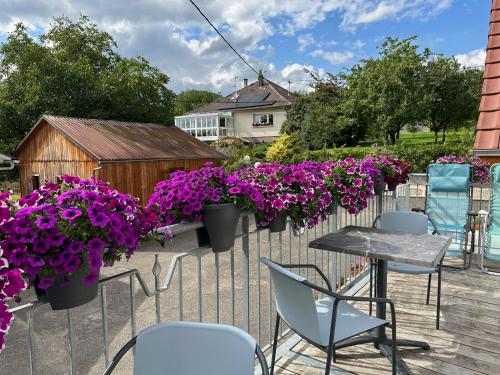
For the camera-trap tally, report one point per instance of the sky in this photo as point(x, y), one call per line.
point(281, 37)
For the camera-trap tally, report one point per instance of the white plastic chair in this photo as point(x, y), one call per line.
point(416, 223)
point(187, 348)
point(324, 323)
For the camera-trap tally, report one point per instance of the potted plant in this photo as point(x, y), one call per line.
point(267, 178)
point(209, 195)
point(309, 194)
point(480, 170)
point(350, 184)
point(11, 281)
point(64, 233)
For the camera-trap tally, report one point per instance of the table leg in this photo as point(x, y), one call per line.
point(381, 293)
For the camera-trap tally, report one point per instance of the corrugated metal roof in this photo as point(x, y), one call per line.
point(488, 124)
point(251, 96)
point(109, 140)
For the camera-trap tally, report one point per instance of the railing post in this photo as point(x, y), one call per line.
point(333, 257)
point(245, 245)
point(156, 274)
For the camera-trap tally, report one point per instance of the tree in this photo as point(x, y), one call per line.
point(314, 116)
point(383, 92)
point(189, 100)
point(73, 70)
point(450, 94)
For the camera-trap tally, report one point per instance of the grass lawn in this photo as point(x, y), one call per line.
point(416, 138)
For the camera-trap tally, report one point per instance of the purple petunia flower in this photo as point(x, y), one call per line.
point(96, 245)
point(72, 264)
point(41, 245)
point(91, 278)
point(45, 282)
point(99, 220)
point(71, 214)
point(45, 222)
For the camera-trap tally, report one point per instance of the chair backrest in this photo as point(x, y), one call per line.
point(294, 301)
point(494, 213)
point(186, 348)
point(404, 221)
point(448, 197)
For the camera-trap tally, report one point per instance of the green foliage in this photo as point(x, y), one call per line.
point(286, 149)
point(73, 70)
point(189, 100)
point(450, 94)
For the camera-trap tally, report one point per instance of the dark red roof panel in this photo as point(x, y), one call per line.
point(490, 103)
point(494, 40)
point(492, 56)
point(488, 124)
point(492, 70)
point(488, 120)
point(109, 140)
point(487, 140)
point(494, 28)
point(491, 86)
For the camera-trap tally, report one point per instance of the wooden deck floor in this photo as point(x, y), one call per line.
point(467, 343)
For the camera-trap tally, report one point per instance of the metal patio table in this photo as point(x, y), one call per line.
point(382, 245)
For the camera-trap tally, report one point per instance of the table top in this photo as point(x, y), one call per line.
point(422, 250)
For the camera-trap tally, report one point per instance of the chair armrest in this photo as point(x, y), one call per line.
point(119, 356)
point(311, 266)
point(472, 213)
point(418, 210)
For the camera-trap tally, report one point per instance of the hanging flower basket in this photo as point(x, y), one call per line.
point(278, 224)
point(332, 209)
point(379, 188)
point(69, 292)
point(221, 221)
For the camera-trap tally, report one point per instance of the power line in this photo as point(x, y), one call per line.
point(222, 36)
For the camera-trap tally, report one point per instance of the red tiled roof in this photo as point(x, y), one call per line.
point(109, 140)
point(488, 124)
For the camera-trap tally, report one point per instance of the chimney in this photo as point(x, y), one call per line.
point(260, 78)
point(245, 82)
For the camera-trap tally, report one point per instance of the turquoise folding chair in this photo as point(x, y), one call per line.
point(491, 241)
point(448, 205)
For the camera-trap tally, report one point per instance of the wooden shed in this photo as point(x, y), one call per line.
point(132, 156)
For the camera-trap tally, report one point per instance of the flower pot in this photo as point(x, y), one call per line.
point(298, 230)
point(221, 221)
point(278, 224)
point(202, 237)
point(41, 294)
point(73, 294)
point(332, 209)
point(379, 188)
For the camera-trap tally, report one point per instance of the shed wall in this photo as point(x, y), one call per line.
point(49, 154)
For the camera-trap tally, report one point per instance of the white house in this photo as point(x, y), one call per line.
point(254, 114)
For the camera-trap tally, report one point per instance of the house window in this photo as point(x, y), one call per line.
point(263, 120)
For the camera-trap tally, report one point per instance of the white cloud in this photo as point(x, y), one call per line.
point(475, 58)
point(173, 36)
point(333, 57)
point(305, 40)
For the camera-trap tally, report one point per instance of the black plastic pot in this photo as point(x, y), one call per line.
point(300, 230)
point(221, 221)
point(332, 209)
point(202, 237)
point(73, 294)
point(278, 224)
point(379, 188)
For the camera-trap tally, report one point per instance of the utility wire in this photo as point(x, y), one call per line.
point(222, 36)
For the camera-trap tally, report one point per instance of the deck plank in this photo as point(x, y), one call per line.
point(468, 342)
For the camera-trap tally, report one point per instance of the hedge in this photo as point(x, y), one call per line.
point(419, 155)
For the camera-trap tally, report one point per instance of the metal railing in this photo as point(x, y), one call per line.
point(228, 287)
